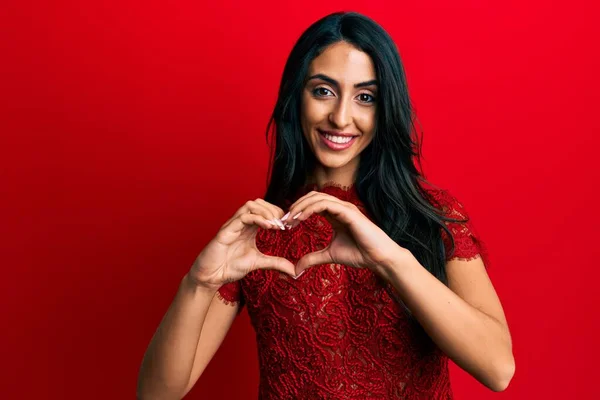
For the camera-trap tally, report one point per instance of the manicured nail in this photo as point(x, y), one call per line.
point(285, 216)
point(274, 222)
point(297, 215)
point(280, 224)
point(299, 275)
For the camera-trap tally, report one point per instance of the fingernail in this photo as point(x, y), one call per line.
point(280, 224)
point(297, 215)
point(299, 275)
point(285, 216)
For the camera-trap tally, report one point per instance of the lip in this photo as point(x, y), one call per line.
point(333, 145)
point(337, 133)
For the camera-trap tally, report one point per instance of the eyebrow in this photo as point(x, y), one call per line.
point(336, 83)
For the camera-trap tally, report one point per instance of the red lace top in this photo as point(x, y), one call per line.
point(338, 332)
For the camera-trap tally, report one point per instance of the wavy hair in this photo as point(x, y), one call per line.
point(388, 181)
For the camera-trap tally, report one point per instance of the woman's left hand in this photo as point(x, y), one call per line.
point(356, 241)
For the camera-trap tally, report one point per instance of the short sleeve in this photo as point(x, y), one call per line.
point(467, 242)
point(231, 294)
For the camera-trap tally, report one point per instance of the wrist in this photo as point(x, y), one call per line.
point(398, 258)
point(193, 284)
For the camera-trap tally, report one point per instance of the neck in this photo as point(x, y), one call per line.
point(344, 175)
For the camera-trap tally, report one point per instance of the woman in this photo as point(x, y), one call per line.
point(360, 280)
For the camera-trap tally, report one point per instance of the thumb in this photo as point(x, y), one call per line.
point(314, 258)
point(277, 263)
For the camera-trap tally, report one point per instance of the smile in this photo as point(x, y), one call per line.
point(336, 142)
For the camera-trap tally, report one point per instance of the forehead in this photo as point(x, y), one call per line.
point(343, 62)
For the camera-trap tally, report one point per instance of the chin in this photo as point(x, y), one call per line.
point(333, 160)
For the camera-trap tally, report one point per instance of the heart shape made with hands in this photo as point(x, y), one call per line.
point(310, 235)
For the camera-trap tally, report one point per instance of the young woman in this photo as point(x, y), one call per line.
point(360, 278)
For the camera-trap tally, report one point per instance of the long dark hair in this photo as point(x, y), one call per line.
point(388, 182)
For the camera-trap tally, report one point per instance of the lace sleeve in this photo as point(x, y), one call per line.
point(231, 294)
point(467, 242)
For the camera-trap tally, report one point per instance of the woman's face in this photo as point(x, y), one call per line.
point(339, 104)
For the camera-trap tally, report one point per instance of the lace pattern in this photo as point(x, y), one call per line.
point(339, 332)
point(468, 245)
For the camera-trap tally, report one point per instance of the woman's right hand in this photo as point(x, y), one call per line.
point(232, 253)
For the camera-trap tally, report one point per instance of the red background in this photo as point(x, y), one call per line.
point(131, 130)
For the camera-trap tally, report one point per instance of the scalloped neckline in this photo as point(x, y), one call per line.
point(331, 184)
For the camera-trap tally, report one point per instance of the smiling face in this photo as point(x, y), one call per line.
point(338, 115)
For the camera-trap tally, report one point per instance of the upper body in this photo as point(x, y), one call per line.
point(340, 332)
point(365, 292)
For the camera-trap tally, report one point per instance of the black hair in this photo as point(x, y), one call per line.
point(388, 182)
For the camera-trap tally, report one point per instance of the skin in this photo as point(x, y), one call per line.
point(465, 319)
point(339, 108)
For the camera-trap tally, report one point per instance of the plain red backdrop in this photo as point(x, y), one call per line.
point(131, 130)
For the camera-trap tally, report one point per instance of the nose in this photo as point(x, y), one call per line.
point(341, 115)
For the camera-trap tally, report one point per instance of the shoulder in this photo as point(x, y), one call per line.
point(464, 241)
point(447, 204)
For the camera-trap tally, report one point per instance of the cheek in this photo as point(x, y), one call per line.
point(366, 122)
point(313, 111)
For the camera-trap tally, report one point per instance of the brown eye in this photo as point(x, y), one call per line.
point(366, 98)
point(321, 92)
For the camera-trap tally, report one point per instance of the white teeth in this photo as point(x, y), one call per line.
point(338, 139)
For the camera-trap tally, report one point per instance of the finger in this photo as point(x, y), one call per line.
point(276, 263)
point(303, 203)
point(247, 207)
point(260, 206)
point(255, 207)
point(266, 211)
point(242, 210)
point(315, 258)
point(276, 211)
point(306, 196)
point(248, 219)
point(314, 193)
point(341, 212)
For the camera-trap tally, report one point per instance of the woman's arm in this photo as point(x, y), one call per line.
point(465, 319)
point(188, 336)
